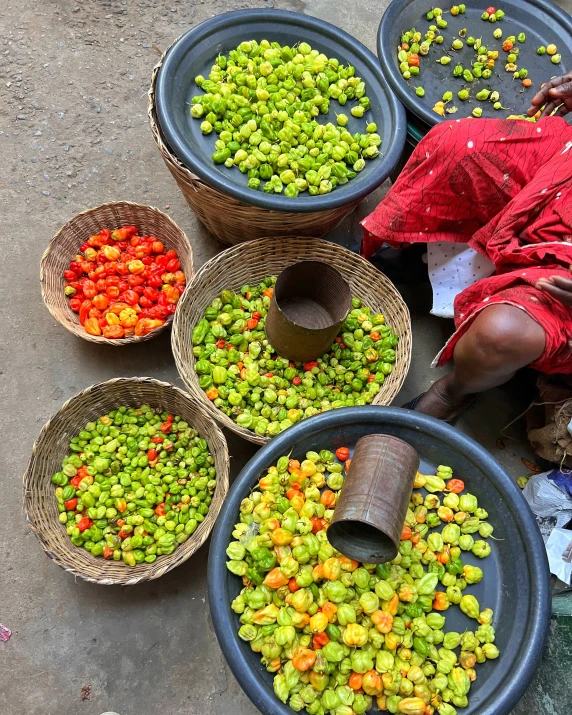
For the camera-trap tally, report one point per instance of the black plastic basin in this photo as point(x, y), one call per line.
point(194, 53)
point(517, 580)
point(542, 22)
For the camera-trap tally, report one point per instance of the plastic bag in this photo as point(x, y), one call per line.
point(551, 505)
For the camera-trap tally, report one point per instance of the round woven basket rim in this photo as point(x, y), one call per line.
point(232, 255)
point(169, 561)
point(100, 340)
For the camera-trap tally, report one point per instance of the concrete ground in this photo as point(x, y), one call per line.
point(74, 77)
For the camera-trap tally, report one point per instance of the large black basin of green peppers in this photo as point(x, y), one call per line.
point(259, 390)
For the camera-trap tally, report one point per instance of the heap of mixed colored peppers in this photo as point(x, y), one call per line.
point(123, 284)
point(245, 378)
point(136, 485)
point(338, 633)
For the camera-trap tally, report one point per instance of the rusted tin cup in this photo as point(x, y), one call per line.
point(311, 301)
point(371, 510)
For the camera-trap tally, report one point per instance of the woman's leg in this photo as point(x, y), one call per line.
point(501, 340)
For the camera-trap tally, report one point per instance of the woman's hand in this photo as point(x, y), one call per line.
point(558, 287)
point(556, 93)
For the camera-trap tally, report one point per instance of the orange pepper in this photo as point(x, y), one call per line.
point(293, 464)
point(172, 293)
point(392, 605)
point(441, 602)
point(445, 514)
point(381, 702)
point(318, 572)
point(527, 82)
point(382, 620)
point(415, 538)
point(297, 501)
point(145, 325)
point(444, 556)
point(347, 465)
point(507, 45)
point(455, 485)
point(303, 658)
point(268, 293)
point(413, 60)
point(118, 307)
point(317, 524)
point(405, 534)
point(375, 337)
point(348, 564)
point(330, 610)
point(275, 578)
point(91, 326)
point(355, 681)
point(251, 323)
point(328, 499)
point(212, 394)
point(100, 301)
point(113, 331)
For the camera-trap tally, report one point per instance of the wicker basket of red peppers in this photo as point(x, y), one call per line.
point(120, 282)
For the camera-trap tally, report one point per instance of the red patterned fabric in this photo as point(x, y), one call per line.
point(504, 187)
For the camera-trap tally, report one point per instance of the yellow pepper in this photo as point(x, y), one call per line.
point(354, 634)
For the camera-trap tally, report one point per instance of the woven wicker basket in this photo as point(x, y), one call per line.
point(65, 244)
point(252, 261)
point(52, 446)
point(232, 221)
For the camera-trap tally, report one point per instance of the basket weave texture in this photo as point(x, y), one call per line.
point(248, 264)
point(65, 245)
point(232, 221)
point(52, 446)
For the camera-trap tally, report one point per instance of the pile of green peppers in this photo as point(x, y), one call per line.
point(339, 634)
point(244, 377)
point(136, 485)
point(263, 101)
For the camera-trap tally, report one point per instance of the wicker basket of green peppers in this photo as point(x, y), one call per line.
point(223, 355)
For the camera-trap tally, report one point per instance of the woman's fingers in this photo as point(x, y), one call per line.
point(549, 108)
point(564, 296)
point(562, 282)
point(557, 88)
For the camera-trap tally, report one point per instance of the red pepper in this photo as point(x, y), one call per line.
point(317, 524)
point(145, 302)
point(71, 504)
point(342, 453)
point(320, 640)
point(122, 269)
point(75, 304)
point(130, 297)
point(84, 246)
point(86, 306)
point(155, 281)
point(297, 380)
point(134, 280)
point(76, 480)
point(171, 254)
point(89, 289)
point(309, 365)
point(491, 10)
point(220, 345)
point(256, 315)
point(173, 265)
point(71, 275)
point(107, 552)
point(123, 535)
point(106, 233)
point(158, 439)
point(84, 523)
point(455, 485)
point(166, 428)
point(292, 585)
point(160, 509)
point(151, 454)
point(371, 378)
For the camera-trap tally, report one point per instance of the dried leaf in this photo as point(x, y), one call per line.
point(500, 444)
point(534, 468)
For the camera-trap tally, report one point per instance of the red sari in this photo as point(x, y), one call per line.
point(504, 187)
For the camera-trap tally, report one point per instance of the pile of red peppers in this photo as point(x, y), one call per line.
point(123, 284)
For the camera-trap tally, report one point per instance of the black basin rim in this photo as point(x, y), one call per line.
point(340, 197)
point(519, 676)
point(393, 76)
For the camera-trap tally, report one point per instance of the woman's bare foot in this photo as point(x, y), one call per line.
point(440, 401)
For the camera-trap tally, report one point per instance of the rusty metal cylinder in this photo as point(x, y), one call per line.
point(371, 510)
point(311, 301)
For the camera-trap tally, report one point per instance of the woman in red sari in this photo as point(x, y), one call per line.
point(504, 187)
